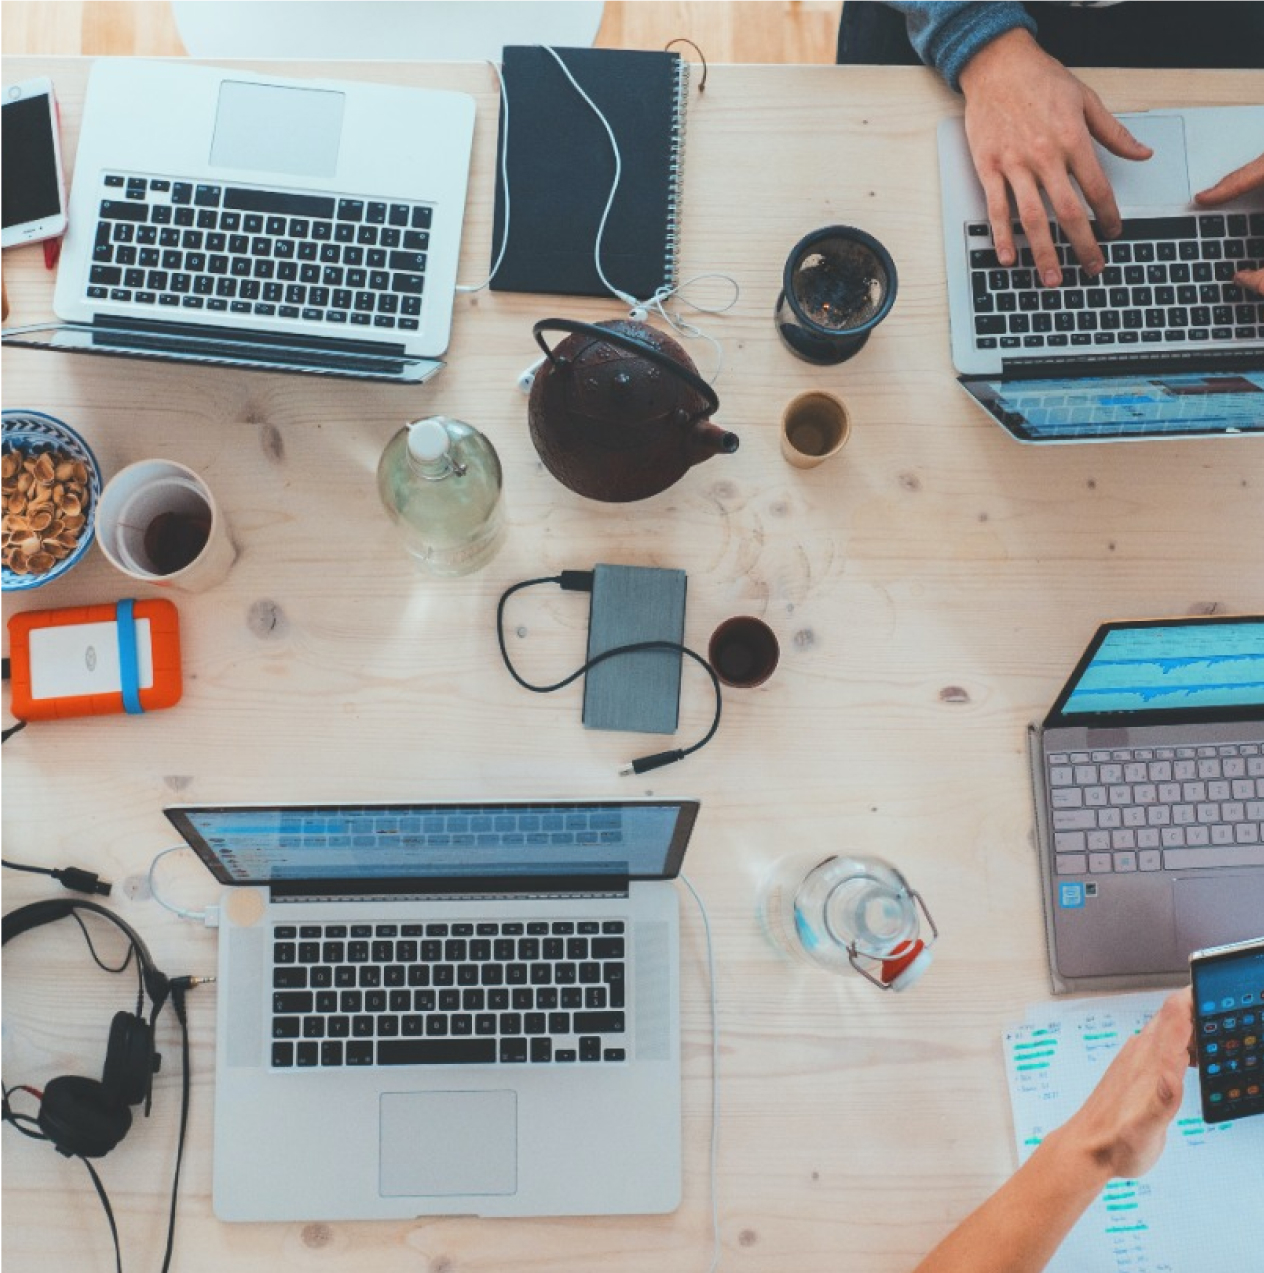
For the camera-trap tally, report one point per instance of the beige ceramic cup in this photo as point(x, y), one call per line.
point(158, 523)
point(814, 426)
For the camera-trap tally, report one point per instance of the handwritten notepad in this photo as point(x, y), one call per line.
point(1197, 1210)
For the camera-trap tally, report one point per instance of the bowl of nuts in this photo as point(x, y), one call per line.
point(51, 484)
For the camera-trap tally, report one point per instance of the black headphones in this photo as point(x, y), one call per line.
point(85, 1117)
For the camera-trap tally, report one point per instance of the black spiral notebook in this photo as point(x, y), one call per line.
point(561, 167)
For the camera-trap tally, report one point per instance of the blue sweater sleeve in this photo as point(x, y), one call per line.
point(946, 34)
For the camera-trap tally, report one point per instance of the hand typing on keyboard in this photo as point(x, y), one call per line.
point(1233, 186)
point(1030, 124)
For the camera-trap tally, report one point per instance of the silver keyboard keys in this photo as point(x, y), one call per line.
point(1085, 774)
point(1150, 860)
point(1184, 769)
point(1246, 833)
point(1233, 811)
point(1243, 789)
point(1134, 816)
point(1160, 771)
point(1221, 834)
point(1238, 855)
point(1145, 793)
point(1111, 774)
point(1173, 837)
point(1233, 767)
point(1072, 864)
point(1098, 842)
point(1194, 792)
point(1169, 792)
point(1074, 819)
point(1125, 861)
point(1124, 839)
point(1158, 815)
point(1061, 775)
point(1197, 837)
point(1099, 863)
point(1148, 838)
point(1134, 772)
point(1095, 797)
point(1218, 791)
point(1069, 842)
point(1123, 795)
point(1208, 813)
point(1208, 768)
point(1183, 815)
point(1109, 819)
point(1255, 810)
point(1255, 766)
point(1067, 798)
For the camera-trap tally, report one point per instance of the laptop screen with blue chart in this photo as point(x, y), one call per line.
point(1182, 669)
point(1087, 407)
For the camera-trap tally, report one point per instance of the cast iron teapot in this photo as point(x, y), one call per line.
point(618, 411)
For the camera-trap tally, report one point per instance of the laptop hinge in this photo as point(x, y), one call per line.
point(587, 894)
point(1168, 363)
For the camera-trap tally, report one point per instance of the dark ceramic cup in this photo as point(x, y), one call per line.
point(744, 652)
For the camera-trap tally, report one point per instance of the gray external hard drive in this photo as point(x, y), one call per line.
point(637, 692)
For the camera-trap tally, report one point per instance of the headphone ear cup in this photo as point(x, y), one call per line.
point(128, 1059)
point(81, 1118)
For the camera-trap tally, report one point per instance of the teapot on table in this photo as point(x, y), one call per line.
point(618, 411)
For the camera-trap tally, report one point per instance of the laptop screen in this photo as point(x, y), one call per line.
point(1095, 408)
point(1208, 669)
point(445, 846)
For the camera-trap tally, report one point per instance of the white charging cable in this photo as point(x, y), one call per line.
point(504, 185)
point(715, 1080)
point(152, 879)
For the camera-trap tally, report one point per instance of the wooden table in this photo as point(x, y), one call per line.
point(931, 589)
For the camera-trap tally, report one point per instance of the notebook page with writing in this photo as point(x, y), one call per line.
point(1188, 1214)
point(561, 167)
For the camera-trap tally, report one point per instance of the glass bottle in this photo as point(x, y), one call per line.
point(848, 912)
point(440, 481)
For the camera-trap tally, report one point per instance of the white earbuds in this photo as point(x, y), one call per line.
point(527, 378)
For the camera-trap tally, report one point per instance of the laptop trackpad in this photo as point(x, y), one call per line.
point(1163, 179)
point(1213, 912)
point(441, 1144)
point(278, 130)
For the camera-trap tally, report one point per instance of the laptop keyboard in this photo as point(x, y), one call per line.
point(1167, 280)
point(537, 991)
point(1152, 809)
point(328, 262)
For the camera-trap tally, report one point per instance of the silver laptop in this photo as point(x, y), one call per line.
point(1149, 780)
point(446, 1009)
point(1162, 344)
point(218, 216)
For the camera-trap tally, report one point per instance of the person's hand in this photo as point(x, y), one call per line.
point(1123, 1124)
point(1232, 186)
point(1031, 124)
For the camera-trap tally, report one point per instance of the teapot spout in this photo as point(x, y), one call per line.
point(707, 439)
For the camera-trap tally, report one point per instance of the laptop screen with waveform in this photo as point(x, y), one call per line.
point(1190, 666)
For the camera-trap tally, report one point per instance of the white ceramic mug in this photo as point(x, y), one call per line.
point(153, 513)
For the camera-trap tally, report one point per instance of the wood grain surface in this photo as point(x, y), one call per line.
point(931, 588)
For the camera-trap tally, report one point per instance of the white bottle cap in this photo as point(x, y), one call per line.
point(913, 972)
point(428, 441)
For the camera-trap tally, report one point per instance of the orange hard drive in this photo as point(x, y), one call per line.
point(95, 660)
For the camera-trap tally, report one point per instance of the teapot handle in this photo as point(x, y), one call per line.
point(691, 378)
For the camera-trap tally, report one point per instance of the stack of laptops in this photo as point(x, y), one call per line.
point(1163, 343)
point(446, 1009)
point(1149, 779)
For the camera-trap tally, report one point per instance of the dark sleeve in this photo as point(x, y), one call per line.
point(946, 34)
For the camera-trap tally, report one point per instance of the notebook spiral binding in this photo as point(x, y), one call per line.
point(676, 172)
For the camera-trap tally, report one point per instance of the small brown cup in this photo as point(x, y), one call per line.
point(814, 426)
point(744, 652)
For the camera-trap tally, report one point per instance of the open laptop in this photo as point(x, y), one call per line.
point(1162, 344)
point(1149, 781)
point(224, 217)
point(446, 1009)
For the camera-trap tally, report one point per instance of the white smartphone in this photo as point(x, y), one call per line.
point(33, 191)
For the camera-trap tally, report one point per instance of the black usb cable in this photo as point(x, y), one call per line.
point(582, 581)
